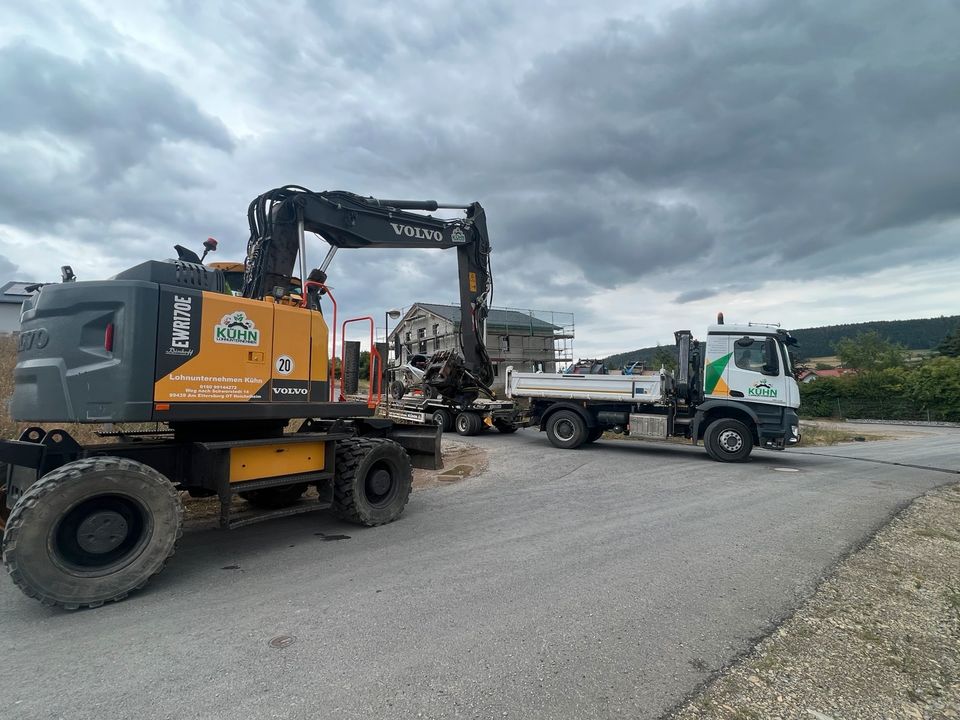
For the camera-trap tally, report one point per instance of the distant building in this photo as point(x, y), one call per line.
point(526, 339)
point(12, 295)
point(808, 376)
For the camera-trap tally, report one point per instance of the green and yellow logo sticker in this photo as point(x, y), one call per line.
point(714, 384)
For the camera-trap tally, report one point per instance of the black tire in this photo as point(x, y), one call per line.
point(728, 440)
point(274, 498)
point(4, 512)
point(372, 480)
point(443, 418)
point(505, 427)
point(429, 392)
point(397, 389)
point(91, 532)
point(594, 434)
point(566, 430)
point(469, 423)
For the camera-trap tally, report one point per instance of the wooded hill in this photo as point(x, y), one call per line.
point(921, 334)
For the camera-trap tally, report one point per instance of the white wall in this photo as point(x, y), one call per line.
point(9, 317)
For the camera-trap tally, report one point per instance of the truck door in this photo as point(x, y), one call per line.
point(755, 371)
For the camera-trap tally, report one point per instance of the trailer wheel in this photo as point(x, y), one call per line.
point(594, 434)
point(443, 418)
point(92, 531)
point(469, 423)
point(372, 480)
point(274, 498)
point(728, 440)
point(566, 429)
point(505, 427)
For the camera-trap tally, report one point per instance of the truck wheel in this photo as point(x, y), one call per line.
point(92, 531)
point(274, 498)
point(505, 427)
point(594, 434)
point(469, 423)
point(566, 429)
point(728, 440)
point(443, 418)
point(372, 480)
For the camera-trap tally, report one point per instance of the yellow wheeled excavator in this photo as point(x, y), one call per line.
point(222, 372)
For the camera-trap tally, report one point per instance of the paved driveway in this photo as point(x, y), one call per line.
point(604, 582)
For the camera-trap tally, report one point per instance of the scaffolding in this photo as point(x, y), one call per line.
point(506, 322)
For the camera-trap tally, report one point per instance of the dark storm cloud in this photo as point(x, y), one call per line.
point(96, 143)
point(118, 110)
point(795, 128)
point(764, 139)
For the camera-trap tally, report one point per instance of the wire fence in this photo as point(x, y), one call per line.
point(845, 408)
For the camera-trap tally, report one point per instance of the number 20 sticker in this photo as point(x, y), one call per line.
point(284, 365)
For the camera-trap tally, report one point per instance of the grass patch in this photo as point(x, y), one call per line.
point(821, 435)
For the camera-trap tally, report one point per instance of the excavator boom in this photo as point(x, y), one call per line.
point(279, 219)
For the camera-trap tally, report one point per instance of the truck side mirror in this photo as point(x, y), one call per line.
point(745, 341)
point(771, 362)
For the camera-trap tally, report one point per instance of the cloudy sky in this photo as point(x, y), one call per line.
point(643, 165)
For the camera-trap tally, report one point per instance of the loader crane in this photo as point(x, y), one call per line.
point(220, 376)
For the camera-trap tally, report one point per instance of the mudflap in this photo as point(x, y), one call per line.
point(422, 442)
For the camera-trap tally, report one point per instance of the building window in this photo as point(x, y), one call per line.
point(436, 343)
point(505, 343)
point(422, 346)
point(436, 330)
point(496, 369)
point(407, 338)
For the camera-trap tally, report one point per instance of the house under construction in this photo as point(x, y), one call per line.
point(529, 340)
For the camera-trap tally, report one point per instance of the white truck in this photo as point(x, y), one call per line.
point(734, 391)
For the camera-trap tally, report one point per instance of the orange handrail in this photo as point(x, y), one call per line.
point(374, 355)
point(333, 345)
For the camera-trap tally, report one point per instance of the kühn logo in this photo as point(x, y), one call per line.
point(762, 389)
point(236, 329)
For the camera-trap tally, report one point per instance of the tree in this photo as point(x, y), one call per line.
point(950, 345)
point(870, 351)
point(664, 357)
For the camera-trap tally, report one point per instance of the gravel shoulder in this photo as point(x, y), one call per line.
point(879, 639)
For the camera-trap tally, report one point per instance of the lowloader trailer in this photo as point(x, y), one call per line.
point(465, 418)
point(734, 392)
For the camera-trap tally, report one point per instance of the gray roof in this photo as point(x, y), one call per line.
point(497, 319)
point(14, 292)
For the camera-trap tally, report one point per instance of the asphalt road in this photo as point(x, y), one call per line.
point(605, 582)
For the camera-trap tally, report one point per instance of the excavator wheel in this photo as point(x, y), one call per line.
point(372, 480)
point(92, 531)
point(274, 498)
